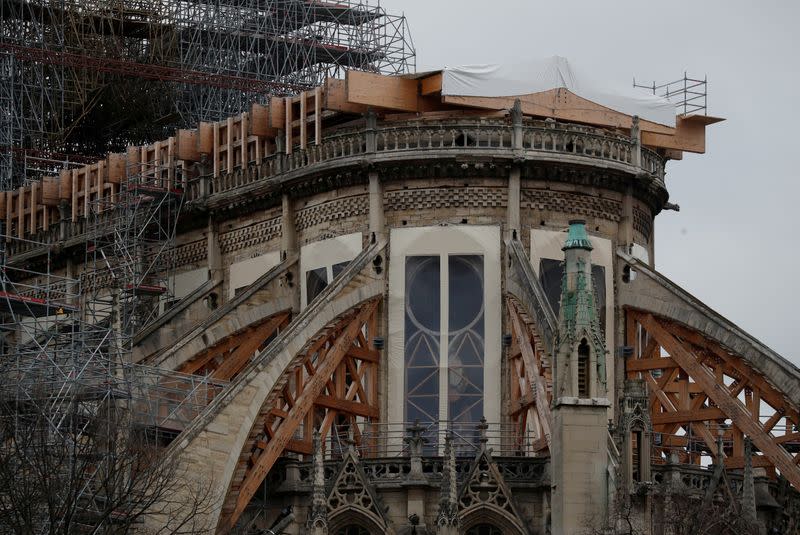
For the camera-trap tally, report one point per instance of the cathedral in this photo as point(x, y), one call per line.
point(415, 304)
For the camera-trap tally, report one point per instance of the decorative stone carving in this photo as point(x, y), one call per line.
point(250, 236)
point(485, 488)
point(317, 523)
point(353, 493)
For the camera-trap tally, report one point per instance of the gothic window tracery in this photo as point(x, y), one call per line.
point(428, 285)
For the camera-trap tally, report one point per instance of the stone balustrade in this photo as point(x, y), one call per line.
point(494, 139)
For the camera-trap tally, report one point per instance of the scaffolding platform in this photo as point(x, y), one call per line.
point(145, 289)
point(32, 306)
point(150, 193)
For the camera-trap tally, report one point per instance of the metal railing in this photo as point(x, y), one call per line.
point(690, 95)
point(392, 440)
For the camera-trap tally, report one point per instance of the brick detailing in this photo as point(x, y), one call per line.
point(334, 210)
point(250, 235)
point(642, 222)
point(191, 253)
point(466, 197)
point(571, 203)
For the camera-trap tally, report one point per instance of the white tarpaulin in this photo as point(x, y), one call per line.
point(535, 76)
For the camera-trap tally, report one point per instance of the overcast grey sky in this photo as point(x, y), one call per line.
point(734, 244)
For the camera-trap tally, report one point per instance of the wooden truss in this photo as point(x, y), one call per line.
point(228, 357)
point(531, 380)
point(334, 378)
point(700, 391)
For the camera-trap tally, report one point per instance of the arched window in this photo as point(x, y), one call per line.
point(353, 529)
point(583, 369)
point(484, 529)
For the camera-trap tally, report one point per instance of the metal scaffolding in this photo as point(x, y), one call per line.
point(66, 376)
point(94, 76)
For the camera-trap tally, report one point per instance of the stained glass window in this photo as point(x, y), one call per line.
point(422, 332)
point(464, 290)
point(465, 338)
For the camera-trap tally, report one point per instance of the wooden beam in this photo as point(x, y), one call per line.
point(259, 122)
point(698, 415)
point(660, 363)
point(287, 104)
point(431, 84)
point(335, 94)
point(561, 104)
point(234, 363)
point(532, 371)
point(277, 113)
point(303, 120)
point(732, 407)
point(382, 91)
point(343, 405)
point(313, 388)
point(317, 115)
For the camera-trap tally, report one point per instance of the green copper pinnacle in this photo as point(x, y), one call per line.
point(577, 237)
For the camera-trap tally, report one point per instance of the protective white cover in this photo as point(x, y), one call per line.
point(537, 75)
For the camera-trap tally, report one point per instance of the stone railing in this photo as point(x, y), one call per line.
point(523, 471)
point(497, 138)
point(538, 140)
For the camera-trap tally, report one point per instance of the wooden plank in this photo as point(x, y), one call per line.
point(313, 388)
point(364, 353)
point(335, 98)
point(689, 136)
point(732, 407)
point(288, 126)
point(206, 139)
point(317, 115)
point(382, 91)
point(352, 407)
point(187, 145)
point(303, 120)
point(431, 84)
point(277, 113)
point(561, 104)
point(698, 415)
point(259, 122)
point(236, 361)
point(532, 371)
point(660, 363)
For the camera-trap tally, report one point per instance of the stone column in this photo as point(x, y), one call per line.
point(317, 523)
point(447, 518)
point(416, 482)
point(513, 223)
point(288, 232)
point(377, 222)
point(215, 265)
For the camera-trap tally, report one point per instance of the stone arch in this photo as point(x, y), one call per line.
point(352, 515)
point(487, 514)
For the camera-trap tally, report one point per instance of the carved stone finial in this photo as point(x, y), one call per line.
point(635, 131)
point(317, 523)
point(415, 442)
point(516, 112)
point(748, 484)
point(447, 518)
point(483, 437)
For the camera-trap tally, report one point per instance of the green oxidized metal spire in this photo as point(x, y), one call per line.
point(577, 237)
point(578, 315)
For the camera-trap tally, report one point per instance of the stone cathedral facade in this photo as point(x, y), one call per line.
point(432, 313)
